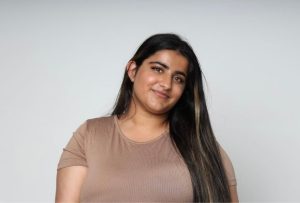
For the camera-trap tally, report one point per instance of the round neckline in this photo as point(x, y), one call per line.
point(116, 122)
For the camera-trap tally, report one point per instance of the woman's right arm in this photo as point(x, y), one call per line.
point(68, 184)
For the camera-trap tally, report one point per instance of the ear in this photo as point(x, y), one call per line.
point(131, 70)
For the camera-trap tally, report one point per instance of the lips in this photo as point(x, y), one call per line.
point(161, 94)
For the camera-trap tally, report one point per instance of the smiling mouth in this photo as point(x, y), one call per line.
point(160, 94)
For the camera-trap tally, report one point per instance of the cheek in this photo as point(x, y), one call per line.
point(147, 79)
point(178, 92)
point(143, 83)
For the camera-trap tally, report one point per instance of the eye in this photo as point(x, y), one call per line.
point(157, 69)
point(179, 79)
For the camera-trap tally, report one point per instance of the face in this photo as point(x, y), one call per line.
point(159, 82)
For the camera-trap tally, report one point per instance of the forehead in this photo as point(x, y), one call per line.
point(173, 59)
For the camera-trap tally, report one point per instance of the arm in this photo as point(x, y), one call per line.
point(230, 174)
point(233, 193)
point(68, 183)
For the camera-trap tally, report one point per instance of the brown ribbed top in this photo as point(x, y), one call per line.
point(123, 170)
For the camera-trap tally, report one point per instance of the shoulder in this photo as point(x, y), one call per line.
point(228, 166)
point(93, 127)
point(98, 124)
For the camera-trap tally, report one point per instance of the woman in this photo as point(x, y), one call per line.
point(157, 145)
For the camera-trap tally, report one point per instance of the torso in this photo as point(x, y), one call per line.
point(121, 169)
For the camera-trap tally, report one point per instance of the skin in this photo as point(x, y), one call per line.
point(148, 110)
point(234, 194)
point(68, 184)
point(157, 85)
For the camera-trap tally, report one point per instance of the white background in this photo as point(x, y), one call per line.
point(61, 62)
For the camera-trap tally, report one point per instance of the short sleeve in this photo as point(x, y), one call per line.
point(74, 153)
point(228, 167)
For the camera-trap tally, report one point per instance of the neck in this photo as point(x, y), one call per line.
point(144, 120)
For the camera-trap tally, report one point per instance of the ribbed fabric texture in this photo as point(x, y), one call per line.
point(123, 170)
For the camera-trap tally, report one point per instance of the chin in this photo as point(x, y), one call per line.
point(160, 111)
point(159, 107)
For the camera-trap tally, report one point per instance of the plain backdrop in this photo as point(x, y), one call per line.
point(61, 62)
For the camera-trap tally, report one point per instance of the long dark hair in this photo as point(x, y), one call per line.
point(190, 127)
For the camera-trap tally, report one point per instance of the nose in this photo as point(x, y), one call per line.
point(166, 82)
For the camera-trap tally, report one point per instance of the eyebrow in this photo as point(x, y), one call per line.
point(167, 67)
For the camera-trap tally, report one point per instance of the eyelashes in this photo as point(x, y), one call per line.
point(157, 69)
point(177, 78)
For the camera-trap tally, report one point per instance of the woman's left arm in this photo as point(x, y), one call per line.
point(233, 193)
point(230, 174)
